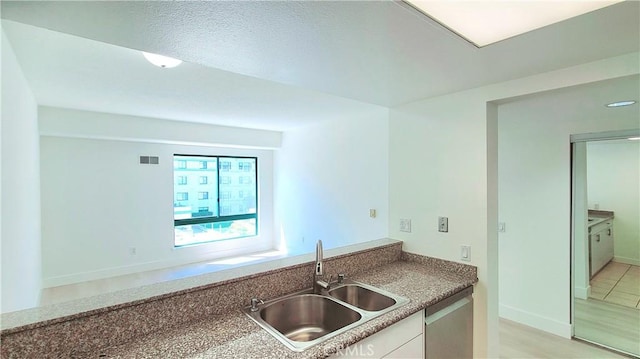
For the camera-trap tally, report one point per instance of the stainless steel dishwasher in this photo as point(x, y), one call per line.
point(449, 327)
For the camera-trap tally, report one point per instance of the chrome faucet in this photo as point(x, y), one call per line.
point(318, 273)
point(255, 302)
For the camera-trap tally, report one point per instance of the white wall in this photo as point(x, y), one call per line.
point(98, 201)
point(534, 202)
point(443, 163)
point(438, 167)
point(613, 172)
point(328, 176)
point(21, 274)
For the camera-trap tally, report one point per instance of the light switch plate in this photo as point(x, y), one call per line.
point(465, 253)
point(443, 224)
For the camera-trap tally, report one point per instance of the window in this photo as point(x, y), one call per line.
point(225, 166)
point(181, 180)
point(244, 166)
point(225, 206)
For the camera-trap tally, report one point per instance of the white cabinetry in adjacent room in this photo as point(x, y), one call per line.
point(600, 245)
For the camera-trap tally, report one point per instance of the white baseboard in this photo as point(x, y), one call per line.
point(581, 292)
point(625, 260)
point(536, 321)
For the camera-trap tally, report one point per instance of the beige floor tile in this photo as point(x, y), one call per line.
point(603, 285)
point(598, 296)
point(631, 288)
point(608, 275)
point(616, 267)
point(602, 281)
point(635, 273)
point(634, 269)
point(628, 300)
point(600, 289)
point(630, 281)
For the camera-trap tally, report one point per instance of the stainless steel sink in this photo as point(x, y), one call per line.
point(361, 297)
point(304, 319)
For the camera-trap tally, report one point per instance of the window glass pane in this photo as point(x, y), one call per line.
point(217, 231)
point(208, 189)
point(238, 186)
point(180, 180)
point(194, 196)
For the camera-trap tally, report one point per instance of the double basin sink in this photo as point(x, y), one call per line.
point(304, 319)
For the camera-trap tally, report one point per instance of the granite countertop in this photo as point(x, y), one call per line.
point(235, 335)
point(598, 216)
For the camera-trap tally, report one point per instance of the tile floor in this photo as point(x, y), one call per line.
point(617, 283)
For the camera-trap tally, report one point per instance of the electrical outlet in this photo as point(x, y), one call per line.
point(132, 251)
point(465, 253)
point(405, 225)
point(443, 224)
point(372, 213)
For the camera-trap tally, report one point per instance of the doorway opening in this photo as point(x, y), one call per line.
point(605, 212)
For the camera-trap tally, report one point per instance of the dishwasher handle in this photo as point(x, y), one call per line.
point(447, 310)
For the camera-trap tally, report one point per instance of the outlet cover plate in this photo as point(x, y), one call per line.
point(405, 225)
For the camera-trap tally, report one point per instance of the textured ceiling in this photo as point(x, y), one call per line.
point(298, 57)
point(72, 72)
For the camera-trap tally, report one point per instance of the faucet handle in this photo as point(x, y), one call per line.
point(340, 278)
point(255, 302)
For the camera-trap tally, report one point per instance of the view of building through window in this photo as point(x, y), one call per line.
point(215, 198)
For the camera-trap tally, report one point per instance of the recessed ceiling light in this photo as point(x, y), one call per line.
point(485, 22)
point(162, 61)
point(621, 103)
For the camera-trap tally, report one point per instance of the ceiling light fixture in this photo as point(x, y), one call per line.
point(485, 22)
point(620, 103)
point(633, 138)
point(161, 61)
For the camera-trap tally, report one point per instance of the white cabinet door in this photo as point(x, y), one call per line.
point(601, 246)
point(608, 243)
point(411, 350)
point(386, 341)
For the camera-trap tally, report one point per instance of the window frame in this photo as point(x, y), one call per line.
point(219, 217)
point(184, 197)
